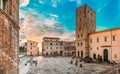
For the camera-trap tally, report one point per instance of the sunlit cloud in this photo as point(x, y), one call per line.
point(24, 3)
point(49, 22)
point(56, 18)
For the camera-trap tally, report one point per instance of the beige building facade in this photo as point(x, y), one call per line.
point(32, 48)
point(103, 45)
point(51, 46)
point(69, 48)
point(9, 36)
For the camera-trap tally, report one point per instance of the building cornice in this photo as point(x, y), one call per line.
point(10, 18)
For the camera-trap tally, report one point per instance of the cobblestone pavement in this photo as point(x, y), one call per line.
point(61, 65)
point(111, 70)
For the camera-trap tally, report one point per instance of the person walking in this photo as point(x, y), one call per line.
point(76, 62)
point(80, 63)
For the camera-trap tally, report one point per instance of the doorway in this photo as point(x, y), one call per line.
point(105, 54)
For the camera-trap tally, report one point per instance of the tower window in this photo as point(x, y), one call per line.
point(78, 36)
point(80, 11)
point(90, 40)
point(113, 38)
point(105, 39)
point(80, 19)
point(81, 35)
point(91, 14)
point(88, 11)
point(115, 55)
point(97, 39)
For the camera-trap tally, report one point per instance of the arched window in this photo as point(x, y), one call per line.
point(3, 4)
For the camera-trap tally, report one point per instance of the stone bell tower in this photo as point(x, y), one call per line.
point(85, 24)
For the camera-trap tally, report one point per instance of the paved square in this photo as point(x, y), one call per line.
point(61, 65)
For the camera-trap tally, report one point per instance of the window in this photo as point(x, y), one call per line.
point(91, 14)
point(115, 55)
point(90, 40)
point(80, 19)
point(81, 35)
point(3, 4)
point(46, 47)
point(81, 43)
point(78, 43)
point(97, 39)
point(78, 36)
point(88, 11)
point(90, 48)
point(80, 11)
point(94, 56)
point(105, 39)
point(113, 37)
point(50, 43)
point(81, 53)
point(97, 48)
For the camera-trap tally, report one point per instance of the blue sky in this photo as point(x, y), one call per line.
point(39, 18)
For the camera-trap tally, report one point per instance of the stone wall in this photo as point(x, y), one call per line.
point(9, 37)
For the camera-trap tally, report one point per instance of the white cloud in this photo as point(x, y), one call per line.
point(41, 1)
point(49, 22)
point(68, 36)
point(79, 2)
point(24, 3)
point(54, 15)
point(35, 26)
point(55, 2)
